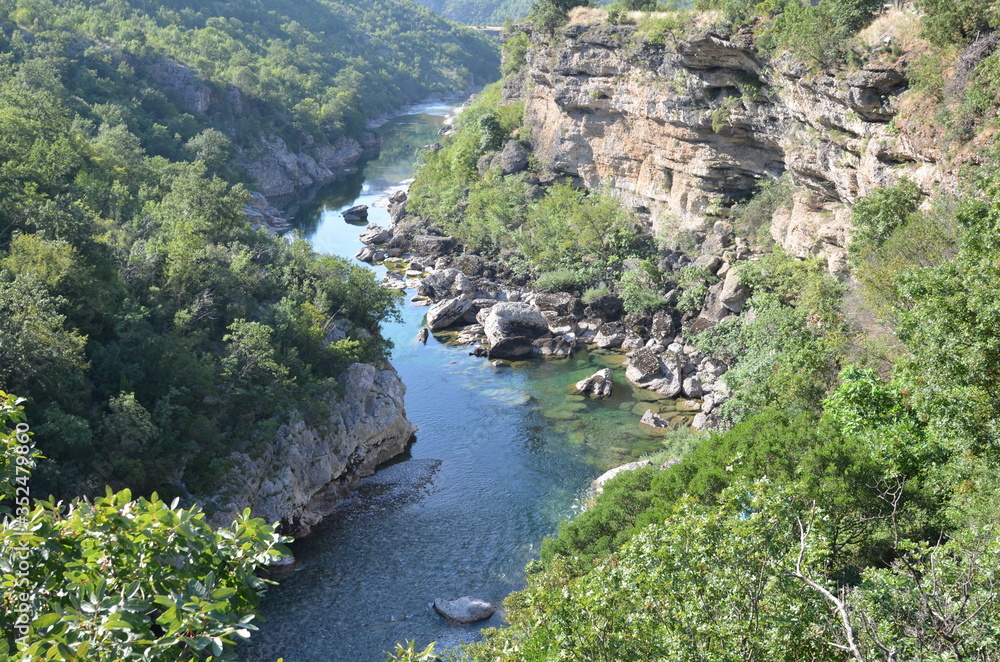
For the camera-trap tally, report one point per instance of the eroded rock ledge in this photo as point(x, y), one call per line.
point(298, 477)
point(682, 131)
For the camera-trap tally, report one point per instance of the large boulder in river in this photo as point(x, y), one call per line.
point(445, 313)
point(464, 609)
point(375, 234)
point(610, 335)
point(445, 283)
point(511, 328)
point(598, 384)
point(356, 215)
point(646, 370)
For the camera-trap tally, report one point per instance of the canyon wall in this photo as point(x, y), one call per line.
point(297, 477)
point(682, 131)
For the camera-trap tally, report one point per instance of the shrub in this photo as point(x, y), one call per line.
point(515, 53)
point(639, 289)
point(560, 280)
point(592, 294)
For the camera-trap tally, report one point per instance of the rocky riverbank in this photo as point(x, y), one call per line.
point(501, 318)
point(297, 477)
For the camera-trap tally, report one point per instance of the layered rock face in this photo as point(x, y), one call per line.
point(298, 477)
point(685, 131)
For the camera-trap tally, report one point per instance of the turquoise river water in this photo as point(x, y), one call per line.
point(500, 458)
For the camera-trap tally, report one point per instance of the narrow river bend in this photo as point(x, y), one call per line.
point(501, 457)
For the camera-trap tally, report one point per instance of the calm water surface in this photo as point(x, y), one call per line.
point(501, 457)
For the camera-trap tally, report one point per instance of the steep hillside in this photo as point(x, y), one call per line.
point(291, 85)
point(805, 252)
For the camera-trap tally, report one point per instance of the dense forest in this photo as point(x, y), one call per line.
point(848, 507)
point(480, 12)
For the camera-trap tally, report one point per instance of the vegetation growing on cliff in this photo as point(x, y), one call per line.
point(865, 509)
point(565, 236)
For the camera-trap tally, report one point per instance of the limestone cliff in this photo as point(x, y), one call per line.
point(297, 477)
point(682, 131)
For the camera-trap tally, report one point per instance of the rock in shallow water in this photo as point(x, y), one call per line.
point(598, 384)
point(464, 609)
point(653, 420)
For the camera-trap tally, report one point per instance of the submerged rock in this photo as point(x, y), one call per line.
point(558, 346)
point(654, 420)
point(464, 609)
point(422, 335)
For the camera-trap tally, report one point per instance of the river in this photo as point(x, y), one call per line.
point(500, 458)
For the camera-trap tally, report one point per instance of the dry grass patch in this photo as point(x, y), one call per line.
point(901, 26)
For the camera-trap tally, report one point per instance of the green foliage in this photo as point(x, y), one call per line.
point(296, 69)
point(878, 214)
point(409, 653)
point(592, 294)
point(121, 276)
point(115, 579)
point(514, 53)
point(818, 32)
point(708, 583)
point(921, 239)
point(752, 219)
point(560, 280)
point(550, 14)
point(787, 345)
point(957, 21)
point(640, 289)
point(567, 229)
point(694, 282)
point(616, 14)
point(948, 318)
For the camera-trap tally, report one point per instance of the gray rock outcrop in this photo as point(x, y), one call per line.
point(374, 234)
point(446, 312)
point(511, 329)
point(601, 480)
point(599, 114)
point(646, 370)
point(297, 477)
